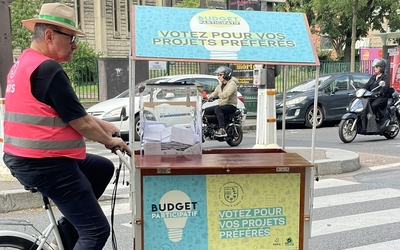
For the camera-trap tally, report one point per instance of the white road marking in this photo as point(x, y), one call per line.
point(329, 183)
point(388, 245)
point(123, 208)
point(356, 221)
point(397, 164)
point(355, 197)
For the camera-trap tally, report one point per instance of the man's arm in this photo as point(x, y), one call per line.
point(368, 84)
point(107, 127)
point(89, 128)
point(385, 89)
point(216, 91)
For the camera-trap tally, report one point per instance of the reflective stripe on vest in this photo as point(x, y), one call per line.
point(35, 120)
point(45, 145)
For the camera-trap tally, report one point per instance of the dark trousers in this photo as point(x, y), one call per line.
point(74, 187)
point(220, 112)
point(378, 106)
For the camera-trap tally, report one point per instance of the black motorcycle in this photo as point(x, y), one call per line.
point(359, 118)
point(233, 128)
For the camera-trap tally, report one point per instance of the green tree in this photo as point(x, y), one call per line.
point(83, 67)
point(21, 10)
point(189, 4)
point(334, 18)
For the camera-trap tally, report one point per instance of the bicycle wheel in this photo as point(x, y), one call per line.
point(14, 242)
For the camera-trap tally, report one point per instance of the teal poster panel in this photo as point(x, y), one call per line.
point(221, 35)
point(175, 212)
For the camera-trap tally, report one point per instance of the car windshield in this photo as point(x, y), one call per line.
point(308, 84)
point(125, 94)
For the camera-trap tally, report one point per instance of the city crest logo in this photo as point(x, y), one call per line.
point(231, 194)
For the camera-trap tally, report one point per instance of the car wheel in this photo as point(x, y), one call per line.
point(310, 116)
point(137, 128)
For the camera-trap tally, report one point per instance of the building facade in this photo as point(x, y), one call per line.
point(106, 24)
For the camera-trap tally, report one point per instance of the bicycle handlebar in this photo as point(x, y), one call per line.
point(118, 152)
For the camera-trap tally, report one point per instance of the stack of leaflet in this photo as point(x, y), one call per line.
point(160, 139)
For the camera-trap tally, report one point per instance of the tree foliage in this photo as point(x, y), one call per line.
point(189, 4)
point(334, 18)
point(21, 10)
point(83, 67)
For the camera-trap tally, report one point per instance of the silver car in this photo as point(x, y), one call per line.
point(110, 110)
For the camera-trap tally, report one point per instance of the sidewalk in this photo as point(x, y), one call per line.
point(328, 161)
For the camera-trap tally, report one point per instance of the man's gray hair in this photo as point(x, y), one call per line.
point(40, 28)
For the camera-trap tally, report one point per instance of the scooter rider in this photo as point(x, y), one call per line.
point(379, 100)
point(226, 92)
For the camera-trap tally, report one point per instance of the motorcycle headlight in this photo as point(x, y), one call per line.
point(360, 92)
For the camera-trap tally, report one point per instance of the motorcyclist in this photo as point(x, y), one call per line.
point(379, 100)
point(226, 92)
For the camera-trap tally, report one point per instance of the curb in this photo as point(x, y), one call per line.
point(331, 165)
point(20, 199)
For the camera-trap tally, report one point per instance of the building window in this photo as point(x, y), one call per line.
point(326, 43)
point(117, 18)
point(80, 20)
point(129, 4)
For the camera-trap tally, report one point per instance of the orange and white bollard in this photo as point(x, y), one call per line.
point(5, 174)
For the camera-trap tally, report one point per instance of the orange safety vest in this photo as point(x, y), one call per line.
point(33, 129)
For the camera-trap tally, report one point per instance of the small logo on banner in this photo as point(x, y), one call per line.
point(231, 194)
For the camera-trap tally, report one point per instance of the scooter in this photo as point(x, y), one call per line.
point(233, 128)
point(359, 118)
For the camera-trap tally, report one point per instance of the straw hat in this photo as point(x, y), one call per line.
point(56, 14)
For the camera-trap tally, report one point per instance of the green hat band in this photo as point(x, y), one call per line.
point(58, 19)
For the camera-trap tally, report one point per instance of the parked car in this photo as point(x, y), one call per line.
point(335, 91)
point(110, 110)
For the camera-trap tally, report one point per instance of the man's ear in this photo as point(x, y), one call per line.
point(48, 36)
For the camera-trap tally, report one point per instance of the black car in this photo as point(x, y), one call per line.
point(335, 91)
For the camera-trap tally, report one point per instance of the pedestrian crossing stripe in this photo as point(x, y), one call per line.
point(123, 208)
point(355, 221)
point(397, 164)
point(393, 244)
point(355, 197)
point(330, 183)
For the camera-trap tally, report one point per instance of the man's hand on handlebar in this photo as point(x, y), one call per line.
point(211, 99)
point(118, 143)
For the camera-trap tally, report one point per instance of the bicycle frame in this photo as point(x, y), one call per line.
point(42, 237)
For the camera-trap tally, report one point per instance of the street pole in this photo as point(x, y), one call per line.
point(6, 60)
point(353, 37)
point(266, 131)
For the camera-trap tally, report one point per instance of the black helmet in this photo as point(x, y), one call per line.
point(381, 63)
point(225, 70)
